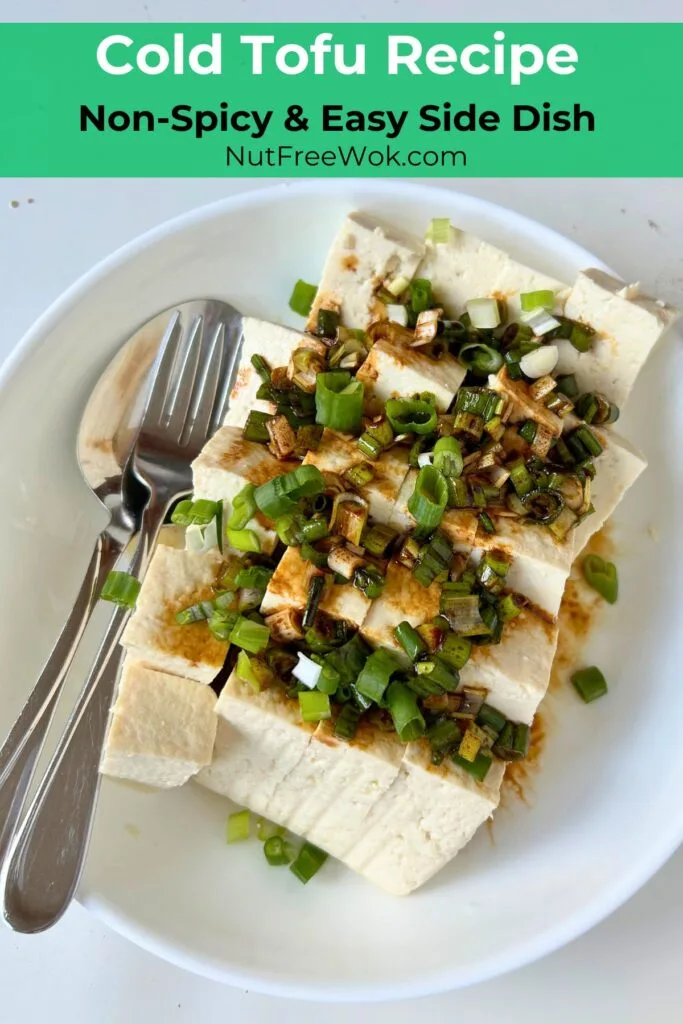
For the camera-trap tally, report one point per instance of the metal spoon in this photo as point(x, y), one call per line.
point(105, 440)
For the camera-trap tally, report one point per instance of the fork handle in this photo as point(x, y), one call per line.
point(21, 749)
point(46, 858)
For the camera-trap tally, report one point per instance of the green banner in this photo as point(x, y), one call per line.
point(305, 100)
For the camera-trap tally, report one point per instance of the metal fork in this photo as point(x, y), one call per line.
point(184, 408)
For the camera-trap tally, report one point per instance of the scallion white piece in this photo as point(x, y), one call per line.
point(540, 362)
point(399, 314)
point(306, 671)
point(396, 285)
point(540, 321)
point(425, 459)
point(483, 313)
point(439, 231)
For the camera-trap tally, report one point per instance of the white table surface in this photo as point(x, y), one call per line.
point(628, 968)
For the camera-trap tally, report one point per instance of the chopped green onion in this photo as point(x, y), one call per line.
point(339, 401)
point(255, 429)
point(588, 440)
point(439, 231)
point(250, 636)
point(520, 477)
point(244, 540)
point(205, 609)
point(513, 742)
point(486, 522)
point(308, 862)
point(314, 529)
point(251, 671)
point(463, 614)
point(278, 851)
point(566, 384)
point(221, 624)
point(481, 359)
point(262, 368)
point(484, 313)
point(376, 674)
point(602, 576)
point(314, 706)
point(455, 650)
point(327, 323)
point(369, 581)
point(309, 553)
point(238, 827)
point(349, 659)
point(347, 722)
point(410, 640)
point(315, 592)
point(265, 829)
point(405, 713)
point(360, 475)
point(411, 415)
point(448, 456)
point(544, 506)
point(194, 513)
point(508, 608)
point(444, 735)
point(436, 671)
point(243, 508)
point(301, 299)
point(281, 494)
point(375, 439)
point(458, 493)
point(491, 717)
point(581, 336)
point(428, 501)
point(420, 294)
point(121, 588)
point(544, 297)
point(255, 577)
point(590, 683)
point(528, 431)
point(377, 538)
point(478, 768)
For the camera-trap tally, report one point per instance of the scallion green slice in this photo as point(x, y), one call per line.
point(121, 588)
point(327, 323)
point(314, 706)
point(339, 401)
point(238, 827)
point(194, 513)
point(405, 713)
point(376, 674)
point(439, 231)
point(250, 636)
point(308, 862)
point(255, 428)
point(602, 576)
point(428, 501)
point(244, 540)
point(420, 294)
point(478, 768)
point(590, 683)
point(412, 415)
point(347, 721)
point(544, 297)
point(410, 640)
point(316, 586)
point(254, 577)
point(243, 508)
point(278, 851)
point(301, 299)
point(280, 495)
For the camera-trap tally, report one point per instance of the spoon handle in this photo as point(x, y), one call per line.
point(21, 749)
point(46, 859)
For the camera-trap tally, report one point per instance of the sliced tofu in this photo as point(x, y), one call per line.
point(275, 344)
point(260, 740)
point(468, 268)
point(616, 469)
point(396, 371)
point(339, 452)
point(428, 814)
point(540, 562)
point(175, 580)
point(523, 405)
point(628, 326)
point(288, 588)
point(226, 464)
point(364, 257)
point(516, 672)
point(335, 784)
point(459, 525)
point(402, 598)
point(161, 729)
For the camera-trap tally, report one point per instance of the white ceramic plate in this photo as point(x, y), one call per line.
point(606, 809)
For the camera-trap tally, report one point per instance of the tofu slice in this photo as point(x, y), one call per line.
point(261, 338)
point(628, 325)
point(259, 741)
point(288, 588)
point(540, 562)
point(339, 452)
point(459, 525)
point(226, 464)
point(402, 598)
point(161, 728)
point(175, 580)
point(422, 821)
point(516, 672)
point(333, 814)
point(523, 405)
point(363, 257)
point(396, 371)
point(468, 268)
point(617, 469)
point(339, 782)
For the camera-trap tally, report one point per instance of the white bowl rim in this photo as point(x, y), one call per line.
point(547, 941)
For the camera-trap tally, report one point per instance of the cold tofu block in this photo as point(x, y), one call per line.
point(175, 580)
point(396, 371)
point(364, 257)
point(540, 562)
point(423, 820)
point(340, 452)
point(226, 464)
point(628, 325)
point(459, 525)
point(260, 740)
point(288, 588)
point(516, 672)
point(275, 344)
point(335, 784)
point(402, 598)
point(524, 406)
point(616, 469)
point(161, 729)
point(468, 268)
